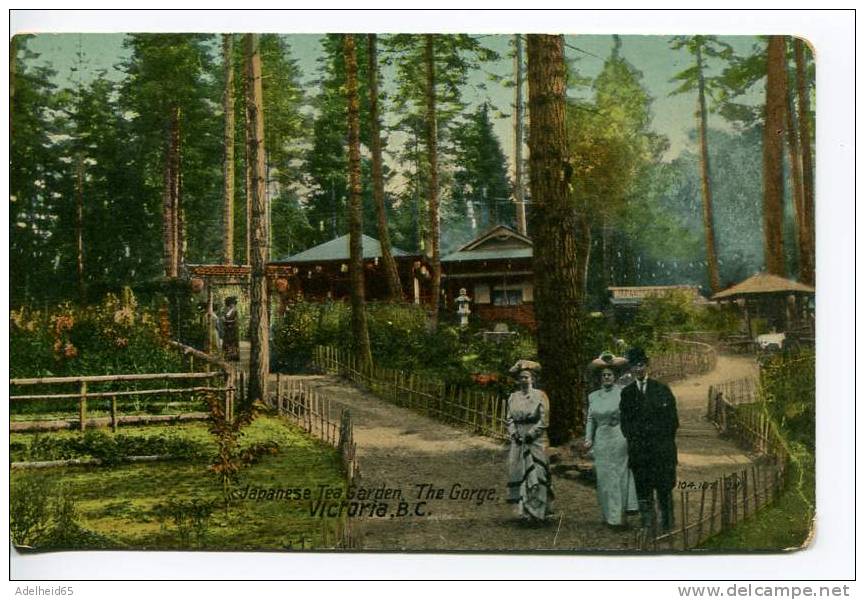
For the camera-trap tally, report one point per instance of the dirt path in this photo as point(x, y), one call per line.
point(401, 450)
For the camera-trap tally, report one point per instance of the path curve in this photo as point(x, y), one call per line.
point(400, 449)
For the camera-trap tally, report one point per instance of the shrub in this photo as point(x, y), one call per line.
point(115, 336)
point(111, 449)
point(789, 387)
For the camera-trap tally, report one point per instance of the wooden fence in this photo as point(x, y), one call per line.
point(724, 397)
point(704, 509)
point(173, 384)
point(479, 412)
point(315, 414)
point(689, 358)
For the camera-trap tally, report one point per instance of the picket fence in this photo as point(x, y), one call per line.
point(704, 509)
point(480, 412)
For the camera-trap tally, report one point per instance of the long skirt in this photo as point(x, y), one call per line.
point(529, 483)
point(615, 482)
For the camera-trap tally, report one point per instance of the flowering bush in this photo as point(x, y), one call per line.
point(115, 336)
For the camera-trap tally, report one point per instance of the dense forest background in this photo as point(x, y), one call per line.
point(92, 157)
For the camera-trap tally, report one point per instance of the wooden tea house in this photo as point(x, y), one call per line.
point(496, 271)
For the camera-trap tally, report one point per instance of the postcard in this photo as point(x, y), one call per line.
point(434, 292)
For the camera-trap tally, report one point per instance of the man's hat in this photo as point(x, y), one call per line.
point(637, 356)
point(231, 300)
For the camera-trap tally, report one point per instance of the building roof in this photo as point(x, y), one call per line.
point(499, 242)
point(643, 291)
point(763, 283)
point(337, 249)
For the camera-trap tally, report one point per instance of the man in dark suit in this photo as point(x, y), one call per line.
point(649, 421)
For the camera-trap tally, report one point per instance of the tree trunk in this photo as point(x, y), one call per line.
point(228, 164)
point(168, 220)
point(773, 143)
point(394, 287)
point(432, 192)
point(355, 210)
point(519, 196)
point(584, 250)
point(808, 256)
point(795, 157)
point(258, 321)
point(179, 210)
point(554, 224)
point(248, 182)
point(79, 226)
point(706, 181)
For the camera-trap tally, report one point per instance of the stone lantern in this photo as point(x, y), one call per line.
point(463, 308)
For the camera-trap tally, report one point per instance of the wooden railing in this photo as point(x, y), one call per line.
point(207, 375)
point(689, 358)
point(196, 384)
point(477, 411)
point(704, 509)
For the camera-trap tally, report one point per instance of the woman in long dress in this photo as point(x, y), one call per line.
point(615, 483)
point(529, 482)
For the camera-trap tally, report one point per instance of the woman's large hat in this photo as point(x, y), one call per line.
point(525, 365)
point(637, 356)
point(608, 360)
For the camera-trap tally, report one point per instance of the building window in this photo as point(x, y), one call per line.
point(507, 297)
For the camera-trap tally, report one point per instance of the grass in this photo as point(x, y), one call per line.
point(784, 525)
point(121, 505)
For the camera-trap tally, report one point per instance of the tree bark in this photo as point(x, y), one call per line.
point(432, 192)
point(706, 181)
point(79, 226)
point(360, 333)
point(519, 196)
point(584, 251)
point(795, 157)
point(259, 318)
point(394, 286)
point(773, 172)
point(808, 256)
point(168, 219)
point(248, 181)
point(228, 162)
point(554, 224)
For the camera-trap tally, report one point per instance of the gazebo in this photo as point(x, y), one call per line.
point(779, 304)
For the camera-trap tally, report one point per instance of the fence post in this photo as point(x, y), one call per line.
point(684, 499)
point(725, 504)
point(714, 501)
point(229, 383)
point(82, 406)
point(702, 506)
point(114, 414)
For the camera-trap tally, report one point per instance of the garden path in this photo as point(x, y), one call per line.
point(401, 450)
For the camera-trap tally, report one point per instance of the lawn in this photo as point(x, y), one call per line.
point(178, 504)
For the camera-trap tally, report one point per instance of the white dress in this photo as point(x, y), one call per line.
point(615, 482)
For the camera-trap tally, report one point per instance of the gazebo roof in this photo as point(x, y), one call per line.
point(337, 249)
point(763, 283)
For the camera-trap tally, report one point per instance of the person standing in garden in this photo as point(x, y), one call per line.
point(615, 483)
point(529, 480)
point(649, 422)
point(231, 337)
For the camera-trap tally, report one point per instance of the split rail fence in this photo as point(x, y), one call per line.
point(479, 412)
point(704, 509)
